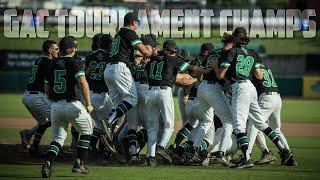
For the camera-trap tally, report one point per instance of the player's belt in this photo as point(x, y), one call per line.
point(98, 92)
point(269, 93)
point(142, 82)
point(239, 81)
point(33, 92)
point(209, 82)
point(158, 87)
point(64, 100)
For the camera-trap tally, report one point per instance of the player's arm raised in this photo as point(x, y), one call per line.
point(144, 50)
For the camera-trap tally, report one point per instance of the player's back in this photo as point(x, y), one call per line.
point(96, 63)
point(241, 61)
point(37, 75)
point(268, 83)
point(62, 76)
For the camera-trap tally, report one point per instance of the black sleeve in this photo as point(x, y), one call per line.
point(228, 57)
point(133, 38)
point(180, 64)
point(79, 68)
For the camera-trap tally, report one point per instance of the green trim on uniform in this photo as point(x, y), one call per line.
point(54, 149)
point(225, 65)
point(258, 65)
point(80, 73)
point(136, 42)
point(184, 67)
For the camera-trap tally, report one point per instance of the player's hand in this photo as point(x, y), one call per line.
point(89, 108)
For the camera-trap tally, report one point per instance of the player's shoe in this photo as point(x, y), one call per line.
point(25, 138)
point(151, 161)
point(243, 163)
point(222, 159)
point(46, 170)
point(266, 158)
point(134, 160)
point(78, 167)
point(162, 152)
point(34, 150)
point(287, 158)
point(205, 162)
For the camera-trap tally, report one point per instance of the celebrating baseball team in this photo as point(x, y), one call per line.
point(228, 100)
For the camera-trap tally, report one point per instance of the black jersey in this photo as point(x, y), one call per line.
point(162, 70)
point(96, 63)
point(194, 88)
point(123, 46)
point(37, 75)
point(267, 84)
point(240, 62)
point(139, 74)
point(62, 75)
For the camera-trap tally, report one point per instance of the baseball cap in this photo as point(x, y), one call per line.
point(206, 47)
point(131, 17)
point(240, 32)
point(170, 45)
point(68, 42)
point(149, 39)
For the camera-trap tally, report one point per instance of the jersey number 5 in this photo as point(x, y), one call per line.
point(59, 81)
point(244, 65)
point(157, 75)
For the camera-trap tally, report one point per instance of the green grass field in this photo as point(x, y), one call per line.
point(293, 110)
point(305, 149)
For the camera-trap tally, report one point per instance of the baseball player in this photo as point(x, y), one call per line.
point(34, 97)
point(210, 95)
point(62, 76)
point(270, 104)
point(121, 85)
point(95, 64)
point(141, 81)
point(238, 65)
point(162, 71)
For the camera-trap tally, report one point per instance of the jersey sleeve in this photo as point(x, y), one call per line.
point(258, 61)
point(227, 58)
point(133, 38)
point(181, 65)
point(79, 68)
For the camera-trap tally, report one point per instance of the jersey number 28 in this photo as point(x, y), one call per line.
point(244, 65)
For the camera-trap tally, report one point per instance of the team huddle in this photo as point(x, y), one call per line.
point(228, 100)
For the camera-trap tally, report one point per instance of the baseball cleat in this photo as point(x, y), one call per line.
point(243, 164)
point(25, 138)
point(164, 154)
point(205, 162)
point(285, 156)
point(291, 162)
point(222, 159)
point(266, 158)
point(79, 168)
point(46, 170)
point(134, 160)
point(151, 161)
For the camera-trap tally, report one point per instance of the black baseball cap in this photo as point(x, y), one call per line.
point(68, 42)
point(240, 32)
point(149, 39)
point(206, 47)
point(170, 45)
point(130, 17)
